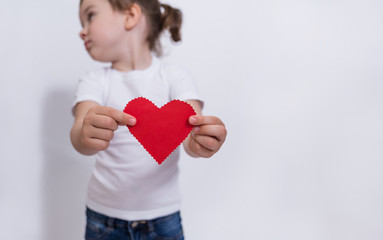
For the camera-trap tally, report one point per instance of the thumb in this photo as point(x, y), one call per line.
point(126, 119)
point(120, 117)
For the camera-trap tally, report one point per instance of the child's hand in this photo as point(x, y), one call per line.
point(207, 136)
point(99, 125)
point(94, 126)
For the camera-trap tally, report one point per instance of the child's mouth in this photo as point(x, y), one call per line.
point(87, 44)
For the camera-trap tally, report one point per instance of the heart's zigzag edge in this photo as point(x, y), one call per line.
point(174, 100)
point(137, 98)
point(167, 155)
point(180, 101)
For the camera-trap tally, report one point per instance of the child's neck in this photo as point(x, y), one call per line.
point(134, 61)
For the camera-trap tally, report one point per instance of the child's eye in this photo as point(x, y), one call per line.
point(90, 16)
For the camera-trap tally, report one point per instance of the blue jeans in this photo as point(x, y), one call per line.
point(101, 227)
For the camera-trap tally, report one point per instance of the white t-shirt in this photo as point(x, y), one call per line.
point(126, 182)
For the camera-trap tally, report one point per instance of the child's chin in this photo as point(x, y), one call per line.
point(98, 58)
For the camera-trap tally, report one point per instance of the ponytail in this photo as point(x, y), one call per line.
point(171, 19)
point(167, 18)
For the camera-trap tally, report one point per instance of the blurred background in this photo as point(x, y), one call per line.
point(298, 84)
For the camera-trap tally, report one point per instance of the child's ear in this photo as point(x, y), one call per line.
point(133, 14)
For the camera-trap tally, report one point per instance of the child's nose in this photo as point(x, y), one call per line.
point(82, 34)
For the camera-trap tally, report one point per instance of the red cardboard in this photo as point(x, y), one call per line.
point(160, 130)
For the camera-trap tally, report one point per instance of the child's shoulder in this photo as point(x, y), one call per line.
point(97, 76)
point(98, 71)
point(169, 68)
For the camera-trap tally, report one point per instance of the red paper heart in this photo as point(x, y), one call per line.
point(160, 130)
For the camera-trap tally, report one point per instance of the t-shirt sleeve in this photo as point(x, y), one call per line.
point(182, 85)
point(90, 88)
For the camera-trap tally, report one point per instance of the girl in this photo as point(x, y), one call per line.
point(129, 195)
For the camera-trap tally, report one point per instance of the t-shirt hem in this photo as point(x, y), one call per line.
point(133, 215)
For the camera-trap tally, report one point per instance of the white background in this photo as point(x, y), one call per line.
point(298, 84)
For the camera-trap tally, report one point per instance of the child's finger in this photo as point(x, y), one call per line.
point(202, 120)
point(104, 122)
point(102, 134)
point(201, 150)
point(215, 131)
point(120, 117)
point(207, 142)
point(97, 144)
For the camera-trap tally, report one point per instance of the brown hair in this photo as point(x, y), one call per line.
point(168, 19)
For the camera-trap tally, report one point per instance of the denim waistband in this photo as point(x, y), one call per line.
point(115, 222)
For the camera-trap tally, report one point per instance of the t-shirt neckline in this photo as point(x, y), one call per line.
point(138, 73)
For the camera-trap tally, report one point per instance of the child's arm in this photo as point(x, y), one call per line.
point(207, 136)
point(94, 126)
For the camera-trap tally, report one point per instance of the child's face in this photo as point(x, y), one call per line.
point(102, 30)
